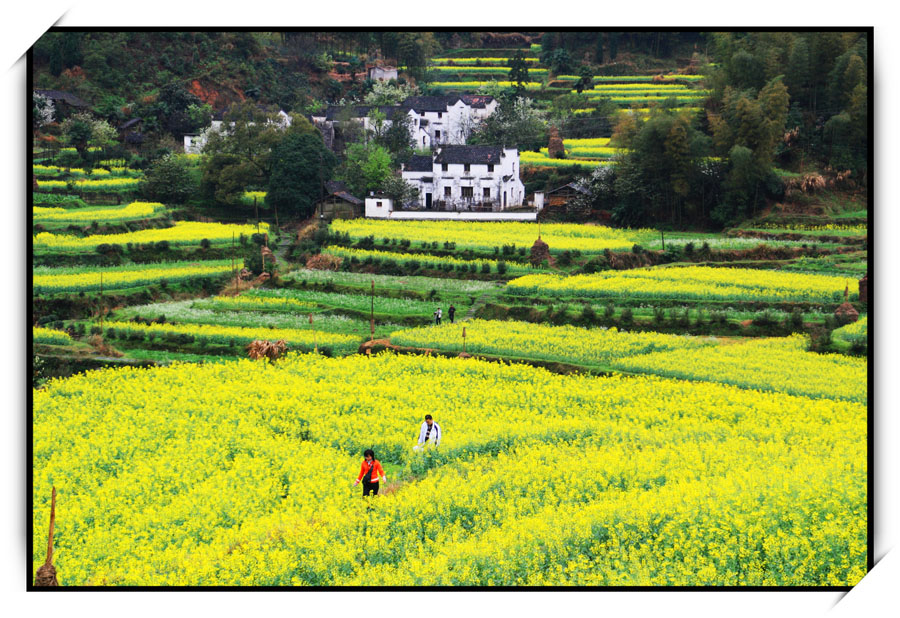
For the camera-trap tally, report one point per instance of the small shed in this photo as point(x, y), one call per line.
point(65, 102)
point(562, 195)
point(383, 73)
point(378, 205)
point(338, 203)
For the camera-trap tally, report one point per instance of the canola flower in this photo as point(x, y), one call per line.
point(511, 339)
point(537, 159)
point(485, 235)
point(483, 60)
point(688, 282)
point(781, 364)
point(48, 280)
point(204, 311)
point(130, 212)
point(362, 303)
point(50, 336)
point(474, 84)
point(477, 71)
point(394, 282)
point(848, 230)
point(251, 197)
point(852, 331)
point(425, 260)
point(237, 473)
point(256, 302)
point(221, 334)
point(638, 110)
point(182, 233)
point(87, 185)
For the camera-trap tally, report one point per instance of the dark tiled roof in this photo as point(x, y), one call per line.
point(569, 187)
point(61, 95)
point(469, 154)
point(430, 103)
point(349, 198)
point(419, 163)
point(335, 186)
point(361, 111)
point(476, 100)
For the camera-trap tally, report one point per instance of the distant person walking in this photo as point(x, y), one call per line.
point(429, 433)
point(451, 312)
point(370, 473)
point(437, 316)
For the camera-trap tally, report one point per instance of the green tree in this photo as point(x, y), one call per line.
point(77, 131)
point(797, 76)
point(518, 72)
point(586, 79)
point(414, 49)
point(365, 167)
point(240, 154)
point(168, 180)
point(301, 164)
point(515, 124)
point(403, 193)
point(395, 137)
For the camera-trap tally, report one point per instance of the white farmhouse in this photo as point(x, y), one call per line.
point(383, 73)
point(195, 142)
point(467, 178)
point(433, 120)
point(446, 119)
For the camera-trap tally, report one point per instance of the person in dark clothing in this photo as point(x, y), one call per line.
point(370, 473)
point(451, 312)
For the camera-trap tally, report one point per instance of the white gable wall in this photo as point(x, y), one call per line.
point(446, 186)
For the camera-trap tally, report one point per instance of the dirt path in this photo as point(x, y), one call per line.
point(479, 303)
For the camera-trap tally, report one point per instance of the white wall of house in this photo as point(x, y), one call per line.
point(474, 184)
point(383, 73)
point(379, 207)
point(431, 215)
point(194, 144)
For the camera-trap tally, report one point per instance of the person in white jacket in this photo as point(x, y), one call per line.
point(429, 433)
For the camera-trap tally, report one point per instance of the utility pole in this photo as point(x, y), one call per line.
point(315, 342)
point(663, 236)
point(256, 207)
point(372, 315)
point(233, 272)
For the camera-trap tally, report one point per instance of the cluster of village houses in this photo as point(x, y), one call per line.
point(456, 180)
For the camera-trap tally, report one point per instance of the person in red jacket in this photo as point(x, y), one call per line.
point(370, 473)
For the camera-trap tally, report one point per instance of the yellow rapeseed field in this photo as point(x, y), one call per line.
point(689, 282)
point(240, 473)
point(584, 346)
point(135, 210)
point(182, 233)
point(484, 235)
point(84, 278)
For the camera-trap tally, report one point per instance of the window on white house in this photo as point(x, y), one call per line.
point(440, 114)
point(437, 136)
point(467, 192)
point(443, 167)
point(486, 193)
point(490, 167)
point(446, 191)
point(377, 204)
point(466, 167)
